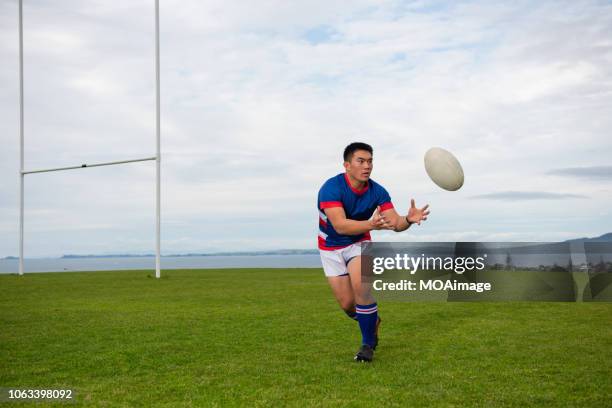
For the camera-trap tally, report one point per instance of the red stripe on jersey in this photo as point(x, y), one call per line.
point(328, 248)
point(333, 248)
point(356, 191)
point(386, 206)
point(322, 223)
point(330, 204)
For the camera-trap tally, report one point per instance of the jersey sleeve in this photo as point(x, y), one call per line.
point(383, 199)
point(330, 196)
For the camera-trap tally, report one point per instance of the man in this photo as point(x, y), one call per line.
point(350, 206)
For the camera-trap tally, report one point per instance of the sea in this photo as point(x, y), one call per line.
point(522, 255)
point(8, 266)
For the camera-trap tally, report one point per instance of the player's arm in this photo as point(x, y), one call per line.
point(401, 223)
point(346, 226)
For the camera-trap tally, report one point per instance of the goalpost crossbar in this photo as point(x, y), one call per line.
point(82, 166)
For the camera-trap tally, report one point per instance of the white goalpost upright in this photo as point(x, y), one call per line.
point(157, 158)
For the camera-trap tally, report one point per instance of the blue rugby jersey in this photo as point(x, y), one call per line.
point(358, 205)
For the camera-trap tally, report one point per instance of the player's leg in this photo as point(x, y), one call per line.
point(334, 267)
point(361, 289)
point(343, 292)
point(366, 308)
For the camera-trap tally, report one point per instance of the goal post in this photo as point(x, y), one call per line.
point(156, 158)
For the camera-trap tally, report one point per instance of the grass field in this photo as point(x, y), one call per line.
point(265, 337)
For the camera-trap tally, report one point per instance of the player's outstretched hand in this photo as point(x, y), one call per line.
point(378, 222)
point(416, 215)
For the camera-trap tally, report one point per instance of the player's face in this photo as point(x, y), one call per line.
point(360, 167)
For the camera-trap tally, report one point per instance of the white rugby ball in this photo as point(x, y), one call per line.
point(444, 169)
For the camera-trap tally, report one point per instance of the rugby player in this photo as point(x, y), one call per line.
point(351, 205)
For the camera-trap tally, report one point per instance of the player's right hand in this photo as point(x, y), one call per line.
point(377, 222)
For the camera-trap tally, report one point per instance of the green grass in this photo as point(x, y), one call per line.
point(261, 337)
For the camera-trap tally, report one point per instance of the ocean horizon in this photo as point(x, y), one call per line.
point(113, 263)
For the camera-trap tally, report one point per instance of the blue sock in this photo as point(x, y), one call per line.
point(367, 315)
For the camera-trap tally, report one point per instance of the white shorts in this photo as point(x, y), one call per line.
point(335, 262)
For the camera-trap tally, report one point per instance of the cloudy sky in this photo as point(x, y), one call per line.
point(260, 98)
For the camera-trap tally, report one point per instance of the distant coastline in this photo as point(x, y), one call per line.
point(602, 238)
point(240, 253)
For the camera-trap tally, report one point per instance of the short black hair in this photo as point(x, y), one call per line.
point(353, 147)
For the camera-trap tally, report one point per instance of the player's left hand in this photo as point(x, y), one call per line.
point(416, 215)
